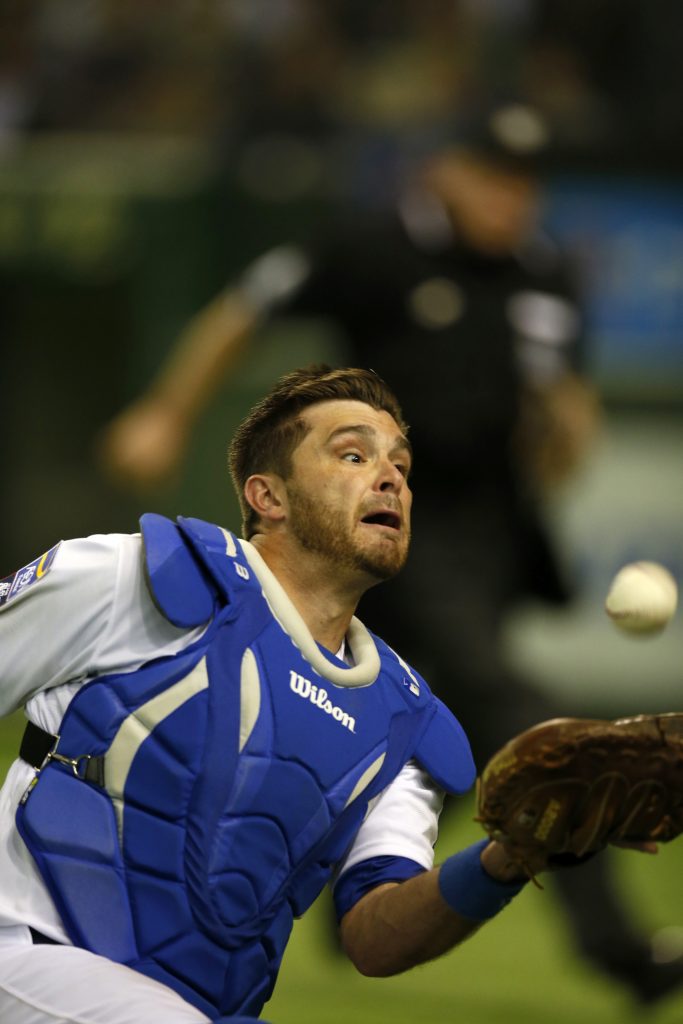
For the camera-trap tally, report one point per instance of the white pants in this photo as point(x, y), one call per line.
point(45, 984)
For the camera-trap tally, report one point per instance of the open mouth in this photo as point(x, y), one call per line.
point(390, 519)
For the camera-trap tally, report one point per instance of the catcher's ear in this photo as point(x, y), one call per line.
point(267, 495)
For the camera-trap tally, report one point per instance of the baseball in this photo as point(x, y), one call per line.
point(642, 598)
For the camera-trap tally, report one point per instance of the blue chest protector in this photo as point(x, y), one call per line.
point(223, 782)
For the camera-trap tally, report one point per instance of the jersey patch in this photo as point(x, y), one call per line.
point(18, 581)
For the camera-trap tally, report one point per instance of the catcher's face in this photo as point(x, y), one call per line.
point(348, 493)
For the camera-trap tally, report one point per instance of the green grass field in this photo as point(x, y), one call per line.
point(520, 969)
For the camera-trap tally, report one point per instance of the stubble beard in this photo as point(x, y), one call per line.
point(325, 531)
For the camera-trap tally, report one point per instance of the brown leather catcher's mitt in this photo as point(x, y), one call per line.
point(568, 787)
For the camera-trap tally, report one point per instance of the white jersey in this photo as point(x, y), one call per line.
point(91, 614)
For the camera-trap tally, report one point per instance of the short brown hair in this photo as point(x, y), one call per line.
point(266, 438)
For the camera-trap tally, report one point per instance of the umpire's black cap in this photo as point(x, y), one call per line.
point(514, 136)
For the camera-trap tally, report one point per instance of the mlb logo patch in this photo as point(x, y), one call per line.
point(24, 577)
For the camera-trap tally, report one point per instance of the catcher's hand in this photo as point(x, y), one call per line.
point(566, 788)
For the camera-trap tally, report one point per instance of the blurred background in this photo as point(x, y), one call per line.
point(150, 148)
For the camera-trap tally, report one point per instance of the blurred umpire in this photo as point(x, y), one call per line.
point(458, 299)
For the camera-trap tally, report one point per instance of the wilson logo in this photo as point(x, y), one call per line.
point(318, 696)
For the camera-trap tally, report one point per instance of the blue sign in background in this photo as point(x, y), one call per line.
point(628, 238)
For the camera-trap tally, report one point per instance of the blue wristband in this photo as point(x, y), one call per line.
point(469, 890)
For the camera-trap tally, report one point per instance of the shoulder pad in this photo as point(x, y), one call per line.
point(444, 751)
point(177, 584)
point(221, 555)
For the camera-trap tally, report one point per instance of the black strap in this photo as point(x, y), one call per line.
point(42, 940)
point(36, 744)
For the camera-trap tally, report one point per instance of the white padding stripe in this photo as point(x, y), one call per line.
point(367, 664)
point(230, 548)
point(250, 695)
point(135, 729)
point(366, 778)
